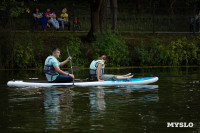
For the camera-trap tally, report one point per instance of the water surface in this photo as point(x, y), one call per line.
point(136, 108)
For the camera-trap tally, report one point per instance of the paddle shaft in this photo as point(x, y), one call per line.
point(70, 63)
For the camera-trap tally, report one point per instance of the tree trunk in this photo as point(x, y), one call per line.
point(99, 14)
point(114, 14)
point(103, 16)
point(95, 10)
point(171, 4)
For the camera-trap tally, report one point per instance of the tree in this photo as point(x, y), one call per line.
point(95, 17)
point(99, 11)
point(10, 9)
point(103, 16)
point(171, 4)
point(114, 14)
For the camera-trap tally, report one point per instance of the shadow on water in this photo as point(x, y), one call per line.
point(134, 108)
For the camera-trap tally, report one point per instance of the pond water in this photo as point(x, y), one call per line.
point(140, 108)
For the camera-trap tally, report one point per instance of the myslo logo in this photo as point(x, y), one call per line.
point(180, 124)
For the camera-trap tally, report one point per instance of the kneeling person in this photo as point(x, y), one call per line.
point(52, 68)
point(97, 71)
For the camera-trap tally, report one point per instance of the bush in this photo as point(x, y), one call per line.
point(179, 52)
point(31, 49)
point(182, 52)
point(114, 47)
point(76, 51)
point(152, 54)
point(22, 56)
point(28, 51)
point(142, 54)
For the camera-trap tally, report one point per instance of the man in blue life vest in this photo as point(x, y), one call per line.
point(52, 68)
point(97, 71)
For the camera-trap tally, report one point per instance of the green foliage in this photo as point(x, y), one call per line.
point(162, 55)
point(114, 47)
point(179, 52)
point(15, 12)
point(75, 50)
point(152, 54)
point(15, 8)
point(28, 52)
point(143, 54)
point(182, 52)
point(31, 49)
point(22, 55)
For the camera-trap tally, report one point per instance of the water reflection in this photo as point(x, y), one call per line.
point(97, 106)
point(25, 94)
point(57, 105)
point(142, 93)
point(137, 93)
point(106, 101)
point(52, 108)
point(97, 101)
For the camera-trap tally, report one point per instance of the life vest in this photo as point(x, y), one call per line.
point(49, 69)
point(93, 68)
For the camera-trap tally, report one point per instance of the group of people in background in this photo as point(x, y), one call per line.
point(50, 18)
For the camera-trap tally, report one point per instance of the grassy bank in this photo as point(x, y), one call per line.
point(29, 50)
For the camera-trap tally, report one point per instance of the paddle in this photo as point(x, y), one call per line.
point(70, 63)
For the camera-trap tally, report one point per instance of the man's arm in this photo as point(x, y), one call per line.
point(39, 16)
point(62, 72)
point(98, 72)
point(65, 61)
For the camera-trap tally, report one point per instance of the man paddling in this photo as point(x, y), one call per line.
point(52, 68)
point(97, 71)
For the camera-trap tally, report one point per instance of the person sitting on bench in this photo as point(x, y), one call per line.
point(38, 17)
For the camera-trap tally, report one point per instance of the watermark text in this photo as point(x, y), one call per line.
point(180, 124)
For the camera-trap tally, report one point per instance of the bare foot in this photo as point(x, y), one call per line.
point(128, 78)
point(129, 74)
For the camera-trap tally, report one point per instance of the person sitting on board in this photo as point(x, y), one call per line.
point(52, 68)
point(97, 71)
